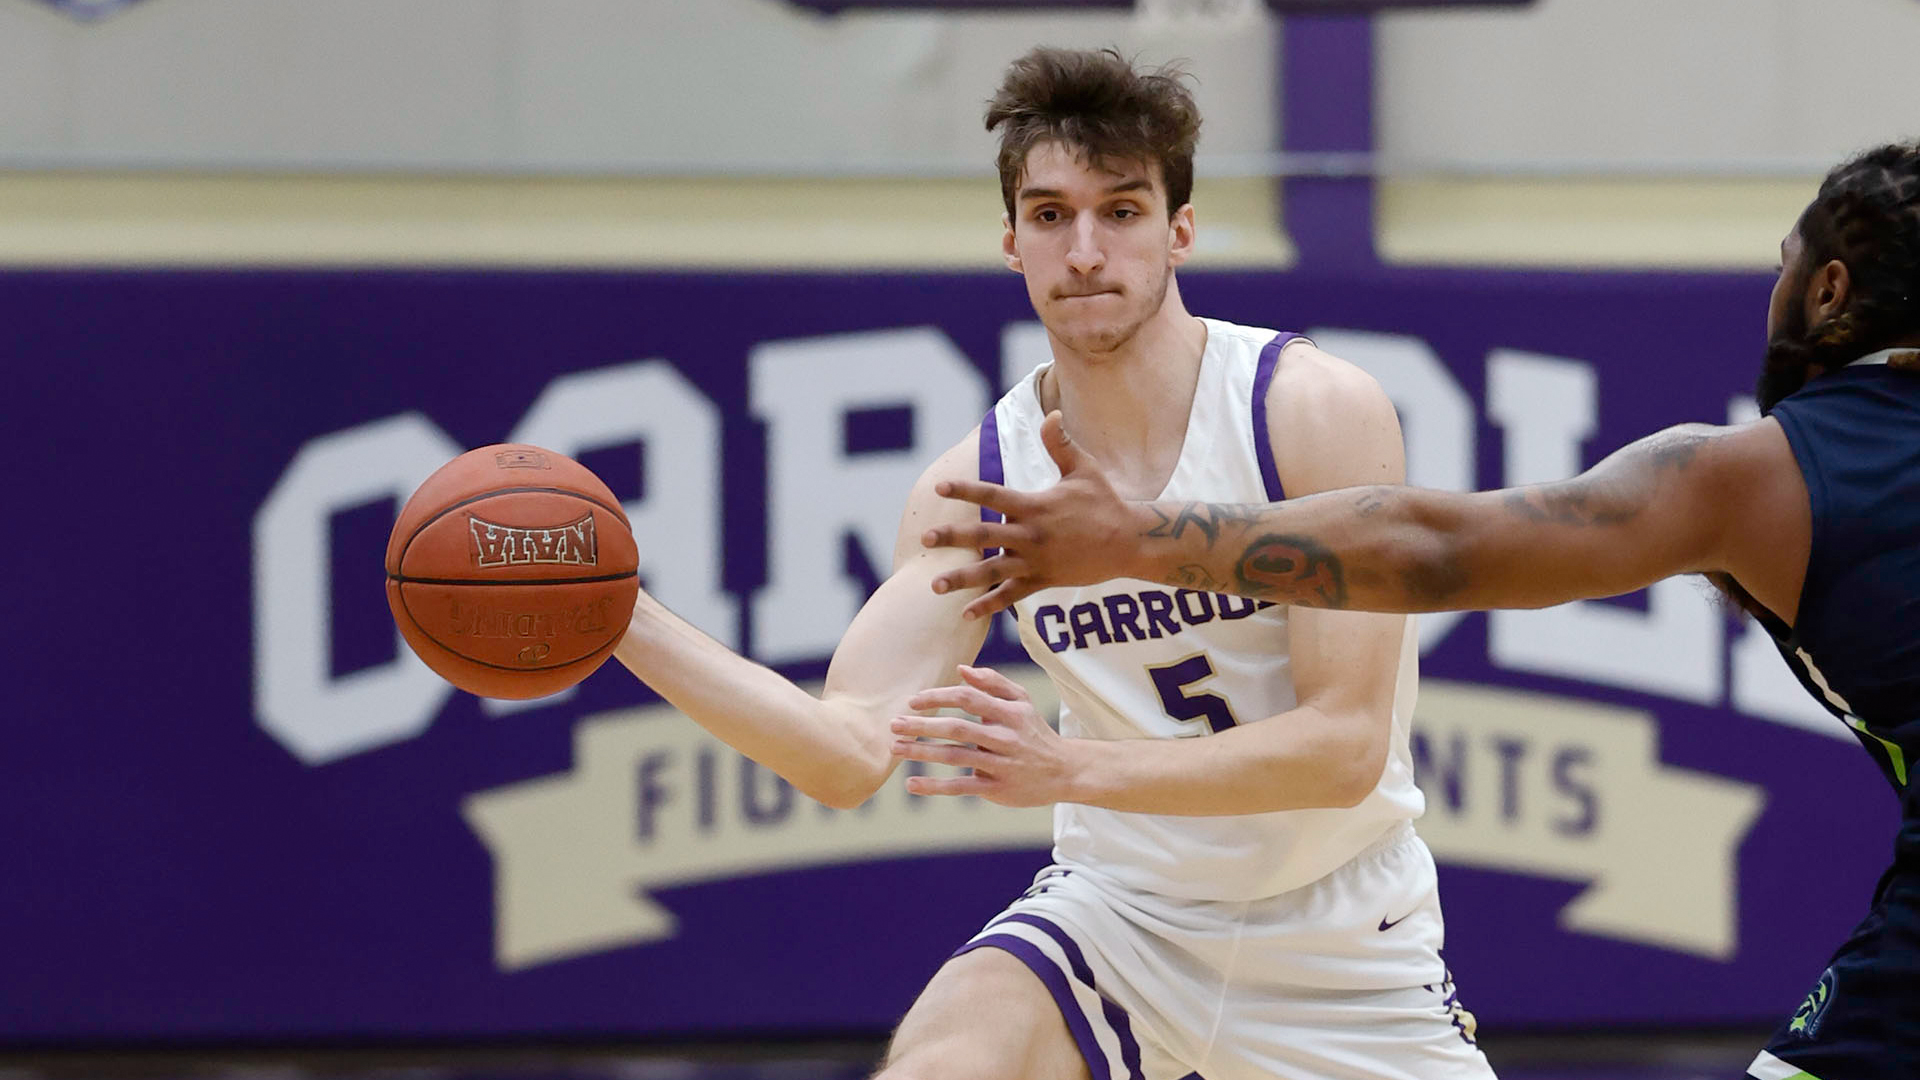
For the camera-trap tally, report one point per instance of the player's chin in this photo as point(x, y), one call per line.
point(1093, 335)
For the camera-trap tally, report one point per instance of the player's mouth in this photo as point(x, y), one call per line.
point(1087, 295)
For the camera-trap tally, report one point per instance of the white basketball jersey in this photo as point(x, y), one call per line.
point(1136, 659)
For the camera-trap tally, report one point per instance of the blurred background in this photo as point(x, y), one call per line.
point(267, 264)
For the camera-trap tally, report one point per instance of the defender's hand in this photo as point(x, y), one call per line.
point(1078, 532)
point(1017, 760)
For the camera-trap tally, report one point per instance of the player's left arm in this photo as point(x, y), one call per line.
point(1331, 426)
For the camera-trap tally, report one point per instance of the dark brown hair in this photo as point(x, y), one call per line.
point(1099, 105)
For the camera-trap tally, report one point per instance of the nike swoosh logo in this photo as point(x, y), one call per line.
point(1386, 926)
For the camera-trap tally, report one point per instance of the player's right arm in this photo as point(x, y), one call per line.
point(1689, 499)
point(835, 748)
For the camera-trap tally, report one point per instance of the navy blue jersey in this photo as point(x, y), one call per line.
point(1856, 640)
point(1855, 643)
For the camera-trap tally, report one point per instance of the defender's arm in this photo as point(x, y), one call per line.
point(1675, 502)
point(1691, 498)
point(835, 748)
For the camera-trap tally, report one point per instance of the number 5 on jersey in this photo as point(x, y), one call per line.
point(1172, 680)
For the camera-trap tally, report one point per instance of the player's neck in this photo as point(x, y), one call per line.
point(1129, 408)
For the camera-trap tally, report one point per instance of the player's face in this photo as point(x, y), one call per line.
point(1784, 368)
point(1785, 315)
point(1095, 244)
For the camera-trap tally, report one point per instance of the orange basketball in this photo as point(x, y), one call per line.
point(512, 571)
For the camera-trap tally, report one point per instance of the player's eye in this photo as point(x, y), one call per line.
point(1125, 212)
point(1047, 214)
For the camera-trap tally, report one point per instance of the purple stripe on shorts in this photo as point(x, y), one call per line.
point(1116, 1016)
point(1056, 982)
point(992, 469)
point(1262, 445)
point(1075, 958)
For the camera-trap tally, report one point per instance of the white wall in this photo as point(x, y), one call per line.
point(691, 86)
point(575, 86)
point(1727, 85)
point(716, 92)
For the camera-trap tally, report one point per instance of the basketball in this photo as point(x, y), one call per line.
point(512, 571)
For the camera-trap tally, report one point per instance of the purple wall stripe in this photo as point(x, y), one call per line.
point(1116, 1016)
point(1262, 445)
point(1056, 982)
point(1324, 104)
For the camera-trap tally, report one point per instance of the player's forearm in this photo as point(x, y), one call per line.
point(820, 747)
point(1303, 759)
point(1381, 548)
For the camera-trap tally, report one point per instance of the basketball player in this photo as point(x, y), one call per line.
point(1809, 518)
point(1236, 888)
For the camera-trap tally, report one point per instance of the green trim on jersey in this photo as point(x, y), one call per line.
point(1898, 759)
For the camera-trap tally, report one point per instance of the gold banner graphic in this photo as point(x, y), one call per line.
point(1551, 787)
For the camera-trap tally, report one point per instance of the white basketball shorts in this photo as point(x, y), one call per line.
point(1337, 980)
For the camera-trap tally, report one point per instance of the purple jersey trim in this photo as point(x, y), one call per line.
point(1262, 445)
point(1056, 982)
point(1116, 1016)
point(992, 469)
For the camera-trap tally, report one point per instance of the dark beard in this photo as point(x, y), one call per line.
point(1791, 356)
point(1785, 370)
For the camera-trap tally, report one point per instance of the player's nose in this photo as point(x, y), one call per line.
point(1084, 255)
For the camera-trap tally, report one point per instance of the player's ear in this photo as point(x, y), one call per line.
point(1827, 291)
point(1007, 248)
point(1181, 235)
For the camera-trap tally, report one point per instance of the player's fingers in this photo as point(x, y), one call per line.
point(933, 697)
point(938, 753)
point(1000, 598)
point(982, 574)
point(988, 708)
point(949, 785)
point(992, 682)
point(976, 535)
point(938, 727)
point(994, 497)
point(1060, 446)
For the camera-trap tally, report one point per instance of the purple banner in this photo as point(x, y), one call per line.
point(239, 811)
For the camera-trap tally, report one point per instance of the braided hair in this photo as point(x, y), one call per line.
point(1866, 215)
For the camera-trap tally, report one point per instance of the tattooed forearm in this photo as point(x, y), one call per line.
point(1432, 583)
point(1571, 503)
point(1208, 518)
point(1193, 514)
point(1195, 576)
point(1296, 568)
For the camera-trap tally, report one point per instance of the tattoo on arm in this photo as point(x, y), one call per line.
point(1433, 583)
point(1195, 576)
point(1612, 493)
point(1571, 503)
point(1298, 568)
point(1208, 518)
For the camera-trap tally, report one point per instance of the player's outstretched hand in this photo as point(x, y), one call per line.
point(1017, 760)
point(1077, 532)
